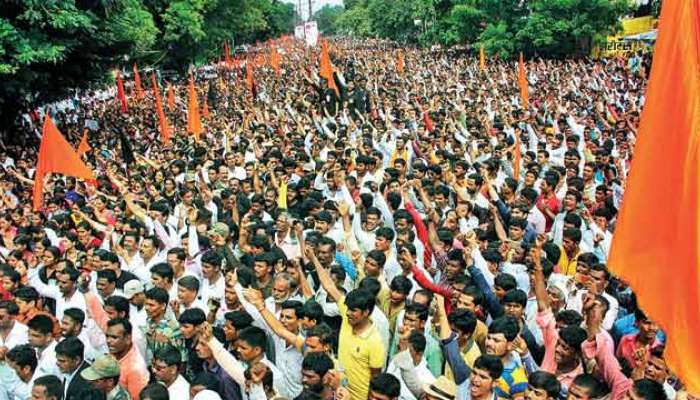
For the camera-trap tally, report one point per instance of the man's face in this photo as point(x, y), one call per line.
point(382, 243)
point(378, 396)
point(66, 364)
point(413, 322)
point(202, 350)
point(481, 383)
point(514, 310)
point(261, 270)
point(104, 287)
point(65, 284)
point(174, 262)
point(159, 281)
point(648, 329)
point(563, 353)
point(372, 222)
point(311, 381)
point(118, 342)
point(147, 250)
point(314, 345)
point(372, 267)
point(532, 393)
point(163, 371)
point(5, 319)
point(325, 254)
point(598, 280)
point(356, 316)
point(246, 351)
point(497, 344)
point(185, 295)
point(453, 268)
point(209, 271)
point(289, 319)
point(656, 370)
point(569, 245)
point(39, 393)
point(188, 330)
point(38, 339)
point(69, 327)
point(153, 308)
point(129, 243)
point(280, 290)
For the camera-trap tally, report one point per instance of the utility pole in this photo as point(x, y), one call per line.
point(311, 10)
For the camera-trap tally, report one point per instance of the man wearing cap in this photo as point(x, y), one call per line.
point(104, 376)
point(134, 291)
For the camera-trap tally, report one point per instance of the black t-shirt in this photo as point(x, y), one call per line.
point(125, 277)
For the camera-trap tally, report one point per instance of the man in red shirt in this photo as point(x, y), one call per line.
point(547, 201)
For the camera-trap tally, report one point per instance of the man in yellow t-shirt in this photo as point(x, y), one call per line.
point(361, 351)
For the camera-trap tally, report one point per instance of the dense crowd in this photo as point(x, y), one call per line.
point(420, 233)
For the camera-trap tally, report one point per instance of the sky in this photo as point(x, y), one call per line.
point(316, 4)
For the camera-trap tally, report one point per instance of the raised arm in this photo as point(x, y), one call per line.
point(255, 298)
point(324, 276)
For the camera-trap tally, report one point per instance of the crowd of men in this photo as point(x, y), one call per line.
point(420, 233)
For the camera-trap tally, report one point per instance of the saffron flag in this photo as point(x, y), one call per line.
point(194, 122)
point(249, 79)
point(522, 81)
point(162, 120)
point(227, 55)
point(171, 97)
point(516, 158)
point(137, 83)
point(482, 58)
point(56, 155)
point(326, 71)
point(84, 146)
point(275, 60)
point(120, 93)
point(656, 247)
point(205, 108)
point(400, 63)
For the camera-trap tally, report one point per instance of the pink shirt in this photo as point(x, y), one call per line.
point(608, 367)
point(133, 372)
point(627, 346)
point(547, 323)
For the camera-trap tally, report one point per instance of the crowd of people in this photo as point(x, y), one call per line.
point(418, 233)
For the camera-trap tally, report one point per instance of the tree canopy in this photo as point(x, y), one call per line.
point(48, 47)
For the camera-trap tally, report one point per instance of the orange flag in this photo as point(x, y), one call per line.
point(205, 108)
point(400, 63)
point(482, 58)
point(249, 80)
point(84, 146)
point(120, 92)
point(56, 156)
point(194, 122)
point(516, 158)
point(327, 68)
point(275, 59)
point(227, 55)
point(522, 81)
point(171, 97)
point(137, 83)
point(656, 247)
point(162, 120)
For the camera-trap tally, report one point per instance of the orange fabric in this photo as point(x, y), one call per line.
point(227, 55)
point(275, 60)
point(327, 68)
point(482, 58)
point(162, 120)
point(249, 80)
point(400, 64)
point(656, 247)
point(56, 155)
point(171, 97)
point(522, 81)
point(84, 146)
point(137, 83)
point(120, 93)
point(516, 158)
point(205, 108)
point(194, 122)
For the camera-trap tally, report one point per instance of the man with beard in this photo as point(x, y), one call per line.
point(313, 374)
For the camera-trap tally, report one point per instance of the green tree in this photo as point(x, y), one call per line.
point(497, 40)
point(355, 21)
point(394, 19)
point(326, 17)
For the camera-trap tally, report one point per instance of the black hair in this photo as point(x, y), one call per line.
point(52, 385)
point(417, 340)
point(254, 336)
point(545, 381)
point(158, 294)
point(420, 310)
point(206, 379)
point(401, 284)
point(515, 296)
point(41, 323)
point(239, 319)
point(505, 281)
point(107, 274)
point(23, 355)
point(323, 332)
point(360, 299)
point(295, 305)
point(595, 388)
point(71, 347)
point(192, 316)
point(569, 317)
point(318, 362)
point(119, 303)
point(154, 391)
point(124, 322)
point(386, 233)
point(312, 310)
point(163, 270)
point(378, 256)
point(490, 363)
point(506, 325)
point(385, 384)
point(463, 320)
point(189, 282)
point(75, 314)
point(10, 306)
point(168, 354)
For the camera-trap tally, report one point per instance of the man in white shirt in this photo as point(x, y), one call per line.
point(134, 291)
point(41, 339)
point(12, 333)
point(72, 327)
point(166, 362)
point(18, 383)
point(413, 344)
point(213, 282)
point(66, 293)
